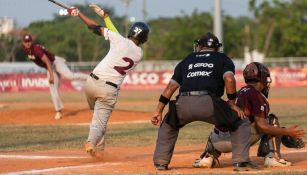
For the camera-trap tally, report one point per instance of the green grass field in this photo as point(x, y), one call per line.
point(27, 138)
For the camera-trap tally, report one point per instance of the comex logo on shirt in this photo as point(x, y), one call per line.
point(199, 73)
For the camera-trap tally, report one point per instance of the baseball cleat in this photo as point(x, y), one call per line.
point(58, 115)
point(272, 162)
point(161, 167)
point(245, 166)
point(206, 162)
point(90, 149)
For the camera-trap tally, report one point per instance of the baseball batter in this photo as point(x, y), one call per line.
point(252, 99)
point(102, 87)
point(56, 67)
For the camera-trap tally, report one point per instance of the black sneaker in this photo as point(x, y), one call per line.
point(245, 166)
point(161, 167)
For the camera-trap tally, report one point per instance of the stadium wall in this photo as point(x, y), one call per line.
point(22, 77)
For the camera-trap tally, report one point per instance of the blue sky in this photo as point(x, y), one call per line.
point(27, 11)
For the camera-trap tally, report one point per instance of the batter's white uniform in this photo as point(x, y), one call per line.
point(102, 86)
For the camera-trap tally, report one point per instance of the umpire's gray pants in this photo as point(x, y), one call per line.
point(198, 108)
point(222, 141)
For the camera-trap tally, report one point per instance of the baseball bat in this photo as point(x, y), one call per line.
point(59, 4)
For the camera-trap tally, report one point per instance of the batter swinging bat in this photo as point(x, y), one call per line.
point(59, 4)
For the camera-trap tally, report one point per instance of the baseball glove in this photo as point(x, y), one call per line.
point(291, 142)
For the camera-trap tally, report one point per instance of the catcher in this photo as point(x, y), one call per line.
point(252, 98)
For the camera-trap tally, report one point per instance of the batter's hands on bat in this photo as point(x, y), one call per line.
point(73, 11)
point(156, 118)
point(97, 10)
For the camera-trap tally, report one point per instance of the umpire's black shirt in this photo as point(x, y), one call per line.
point(203, 71)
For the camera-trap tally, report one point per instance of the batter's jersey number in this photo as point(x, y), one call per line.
point(122, 69)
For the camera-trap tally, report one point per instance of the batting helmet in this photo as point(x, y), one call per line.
point(209, 40)
point(257, 72)
point(139, 31)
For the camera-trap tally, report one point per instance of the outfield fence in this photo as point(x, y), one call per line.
point(20, 77)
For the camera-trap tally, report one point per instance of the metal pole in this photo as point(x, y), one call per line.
point(126, 4)
point(145, 13)
point(217, 27)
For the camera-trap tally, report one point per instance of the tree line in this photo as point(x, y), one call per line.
point(276, 29)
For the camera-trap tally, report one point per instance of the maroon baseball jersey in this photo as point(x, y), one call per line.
point(36, 52)
point(252, 102)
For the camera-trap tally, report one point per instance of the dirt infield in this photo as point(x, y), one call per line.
point(115, 160)
point(74, 113)
point(125, 161)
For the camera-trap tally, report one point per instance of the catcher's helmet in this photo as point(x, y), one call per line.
point(209, 40)
point(255, 72)
point(139, 31)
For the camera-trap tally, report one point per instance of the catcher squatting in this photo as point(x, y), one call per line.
point(265, 127)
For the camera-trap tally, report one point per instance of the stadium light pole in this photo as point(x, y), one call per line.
point(145, 14)
point(217, 21)
point(144, 10)
point(126, 4)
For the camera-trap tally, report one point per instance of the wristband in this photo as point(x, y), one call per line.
point(95, 29)
point(232, 96)
point(163, 99)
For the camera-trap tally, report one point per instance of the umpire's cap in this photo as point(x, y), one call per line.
point(209, 40)
point(27, 38)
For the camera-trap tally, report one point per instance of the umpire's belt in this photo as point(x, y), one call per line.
point(194, 93)
point(107, 82)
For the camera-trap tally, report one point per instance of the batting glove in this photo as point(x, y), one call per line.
point(73, 11)
point(97, 10)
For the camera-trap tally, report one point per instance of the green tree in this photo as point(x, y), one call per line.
point(280, 29)
point(173, 38)
point(68, 37)
point(277, 29)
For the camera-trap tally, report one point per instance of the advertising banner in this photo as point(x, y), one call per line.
point(281, 77)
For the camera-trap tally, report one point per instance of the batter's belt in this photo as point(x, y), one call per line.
point(107, 82)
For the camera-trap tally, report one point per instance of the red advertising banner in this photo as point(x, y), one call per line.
point(282, 77)
point(32, 82)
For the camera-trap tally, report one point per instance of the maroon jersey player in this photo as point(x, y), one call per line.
point(55, 66)
point(252, 99)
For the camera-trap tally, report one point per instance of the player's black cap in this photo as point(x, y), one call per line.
point(209, 40)
point(27, 38)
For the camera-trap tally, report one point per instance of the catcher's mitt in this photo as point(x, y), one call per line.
point(291, 142)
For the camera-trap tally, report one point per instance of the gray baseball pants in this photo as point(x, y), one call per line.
point(198, 108)
point(101, 98)
point(222, 141)
point(60, 69)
